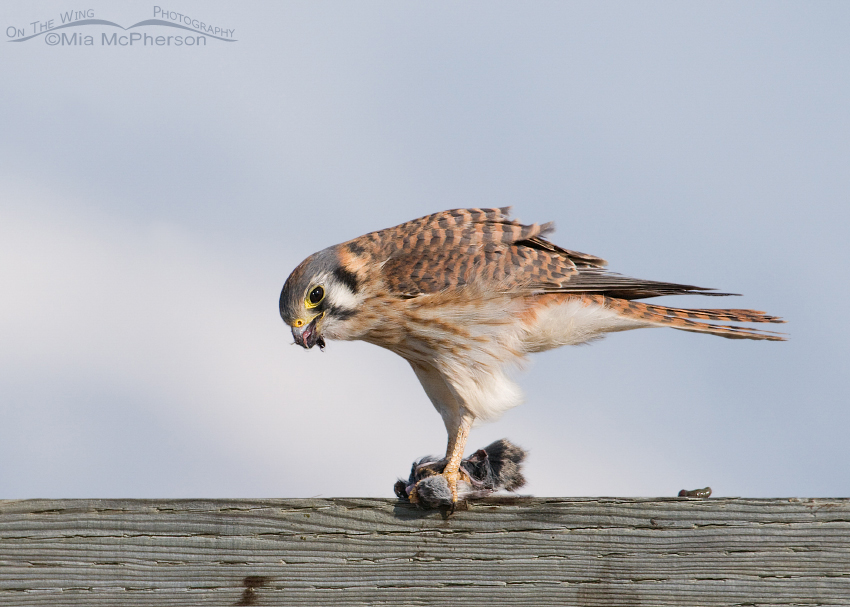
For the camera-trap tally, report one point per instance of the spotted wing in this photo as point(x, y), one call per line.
point(453, 248)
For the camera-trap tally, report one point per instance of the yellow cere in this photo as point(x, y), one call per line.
point(298, 323)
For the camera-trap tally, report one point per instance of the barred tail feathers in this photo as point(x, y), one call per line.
point(681, 318)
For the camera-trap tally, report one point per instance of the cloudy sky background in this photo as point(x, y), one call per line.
point(153, 201)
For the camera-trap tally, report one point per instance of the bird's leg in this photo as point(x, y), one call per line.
point(454, 454)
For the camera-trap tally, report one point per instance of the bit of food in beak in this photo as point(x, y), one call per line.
point(308, 336)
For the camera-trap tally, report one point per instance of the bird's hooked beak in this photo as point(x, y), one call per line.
point(308, 336)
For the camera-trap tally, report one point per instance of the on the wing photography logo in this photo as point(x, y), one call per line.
point(83, 28)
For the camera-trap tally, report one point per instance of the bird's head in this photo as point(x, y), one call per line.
point(320, 298)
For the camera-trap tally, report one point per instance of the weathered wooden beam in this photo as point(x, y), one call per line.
point(506, 551)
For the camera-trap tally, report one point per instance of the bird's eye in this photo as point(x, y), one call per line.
point(315, 297)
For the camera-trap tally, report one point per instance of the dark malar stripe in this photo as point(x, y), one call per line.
point(340, 313)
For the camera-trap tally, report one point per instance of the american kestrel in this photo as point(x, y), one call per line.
point(466, 294)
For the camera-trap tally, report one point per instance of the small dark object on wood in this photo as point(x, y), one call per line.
point(696, 492)
point(496, 466)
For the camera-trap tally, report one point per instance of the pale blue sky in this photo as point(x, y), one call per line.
point(153, 200)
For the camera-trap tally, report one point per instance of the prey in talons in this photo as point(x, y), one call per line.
point(496, 467)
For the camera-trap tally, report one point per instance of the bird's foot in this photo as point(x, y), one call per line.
point(431, 485)
point(452, 479)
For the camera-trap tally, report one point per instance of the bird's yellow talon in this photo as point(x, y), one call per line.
point(451, 479)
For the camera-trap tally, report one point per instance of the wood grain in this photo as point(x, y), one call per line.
point(506, 551)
